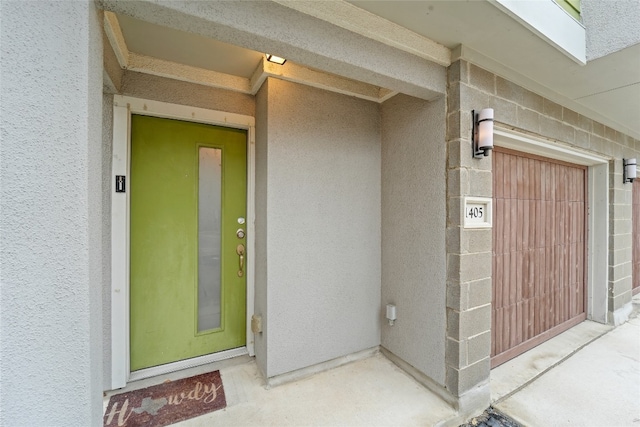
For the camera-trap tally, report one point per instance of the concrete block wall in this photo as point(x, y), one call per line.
point(620, 245)
point(468, 342)
point(469, 251)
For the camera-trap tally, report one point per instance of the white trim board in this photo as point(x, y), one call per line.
point(123, 107)
point(598, 213)
point(549, 21)
point(350, 17)
point(289, 71)
point(545, 148)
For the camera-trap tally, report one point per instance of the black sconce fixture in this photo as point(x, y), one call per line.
point(482, 132)
point(630, 171)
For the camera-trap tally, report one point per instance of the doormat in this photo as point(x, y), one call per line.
point(166, 403)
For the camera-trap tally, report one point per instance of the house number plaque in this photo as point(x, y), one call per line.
point(477, 212)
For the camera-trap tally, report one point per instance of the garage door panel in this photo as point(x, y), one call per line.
point(513, 325)
point(513, 278)
point(497, 289)
point(513, 224)
point(498, 184)
point(539, 245)
point(512, 181)
point(525, 319)
point(521, 322)
point(499, 211)
point(533, 223)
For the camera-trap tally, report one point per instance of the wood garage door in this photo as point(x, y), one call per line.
point(636, 236)
point(539, 251)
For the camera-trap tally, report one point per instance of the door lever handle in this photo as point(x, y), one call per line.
point(240, 252)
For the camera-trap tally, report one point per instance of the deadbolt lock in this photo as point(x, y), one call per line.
point(240, 233)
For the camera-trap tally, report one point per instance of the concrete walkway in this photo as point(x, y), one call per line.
point(366, 392)
point(587, 376)
point(597, 386)
point(370, 392)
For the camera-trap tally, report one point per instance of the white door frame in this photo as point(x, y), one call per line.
point(123, 108)
point(598, 212)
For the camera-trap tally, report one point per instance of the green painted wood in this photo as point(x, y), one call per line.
point(164, 240)
point(571, 6)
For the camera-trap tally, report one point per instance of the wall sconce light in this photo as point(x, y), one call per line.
point(275, 59)
point(630, 171)
point(482, 133)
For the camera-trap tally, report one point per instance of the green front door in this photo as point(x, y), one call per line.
point(188, 210)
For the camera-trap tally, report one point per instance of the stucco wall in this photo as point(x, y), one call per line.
point(610, 25)
point(413, 231)
point(156, 88)
point(262, 166)
point(50, 198)
point(322, 226)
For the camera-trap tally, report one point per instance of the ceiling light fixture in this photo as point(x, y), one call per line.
point(275, 59)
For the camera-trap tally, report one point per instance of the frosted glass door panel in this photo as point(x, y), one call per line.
point(209, 223)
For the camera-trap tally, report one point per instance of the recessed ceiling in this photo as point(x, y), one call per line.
point(185, 48)
point(605, 89)
point(148, 48)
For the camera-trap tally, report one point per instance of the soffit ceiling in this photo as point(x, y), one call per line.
point(158, 50)
point(607, 89)
point(608, 86)
point(185, 48)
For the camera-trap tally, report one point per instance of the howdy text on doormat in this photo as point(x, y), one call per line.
point(166, 403)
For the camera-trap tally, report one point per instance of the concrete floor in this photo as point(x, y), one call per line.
point(512, 375)
point(369, 392)
point(597, 386)
point(587, 376)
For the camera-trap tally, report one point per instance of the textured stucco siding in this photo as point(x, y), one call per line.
point(323, 226)
point(156, 88)
point(51, 202)
point(413, 231)
point(610, 25)
point(261, 276)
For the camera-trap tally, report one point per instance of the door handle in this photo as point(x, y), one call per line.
point(240, 252)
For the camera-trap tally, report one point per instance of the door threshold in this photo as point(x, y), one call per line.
point(187, 363)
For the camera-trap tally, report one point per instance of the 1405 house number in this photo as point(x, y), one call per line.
point(474, 212)
point(477, 212)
